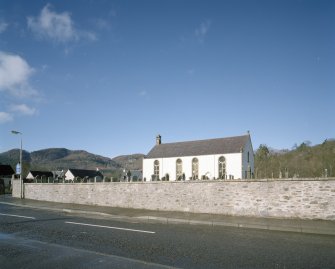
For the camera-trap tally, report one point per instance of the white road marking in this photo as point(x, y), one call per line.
point(109, 227)
point(17, 216)
point(56, 251)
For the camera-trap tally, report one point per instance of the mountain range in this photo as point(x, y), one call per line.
point(62, 159)
point(303, 160)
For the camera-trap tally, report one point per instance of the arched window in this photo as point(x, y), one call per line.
point(222, 167)
point(195, 168)
point(156, 169)
point(179, 169)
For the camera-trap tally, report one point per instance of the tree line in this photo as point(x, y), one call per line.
point(302, 161)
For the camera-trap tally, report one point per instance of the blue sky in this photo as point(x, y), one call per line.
point(108, 76)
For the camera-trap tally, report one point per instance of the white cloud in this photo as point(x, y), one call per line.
point(23, 109)
point(143, 93)
point(88, 35)
point(58, 27)
point(5, 117)
point(55, 26)
point(14, 75)
point(202, 30)
point(112, 13)
point(102, 24)
point(190, 71)
point(3, 26)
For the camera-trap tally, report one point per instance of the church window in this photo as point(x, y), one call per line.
point(179, 169)
point(156, 169)
point(249, 172)
point(222, 167)
point(195, 168)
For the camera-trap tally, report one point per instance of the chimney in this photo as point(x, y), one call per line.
point(158, 140)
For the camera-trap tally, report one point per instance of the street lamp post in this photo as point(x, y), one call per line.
point(21, 166)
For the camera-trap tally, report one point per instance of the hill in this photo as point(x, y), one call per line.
point(59, 159)
point(302, 161)
point(130, 162)
point(64, 158)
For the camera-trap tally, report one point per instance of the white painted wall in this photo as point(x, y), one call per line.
point(247, 148)
point(69, 175)
point(233, 165)
point(208, 165)
point(30, 176)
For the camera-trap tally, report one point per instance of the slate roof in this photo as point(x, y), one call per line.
point(199, 147)
point(85, 173)
point(6, 170)
point(58, 173)
point(41, 174)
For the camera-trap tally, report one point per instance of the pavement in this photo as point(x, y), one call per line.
point(168, 217)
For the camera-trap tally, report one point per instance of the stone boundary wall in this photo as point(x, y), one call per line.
point(16, 188)
point(305, 199)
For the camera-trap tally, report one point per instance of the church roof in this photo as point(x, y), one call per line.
point(199, 147)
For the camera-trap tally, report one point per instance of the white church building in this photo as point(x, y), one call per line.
point(221, 158)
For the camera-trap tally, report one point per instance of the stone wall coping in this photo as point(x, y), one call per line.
point(195, 181)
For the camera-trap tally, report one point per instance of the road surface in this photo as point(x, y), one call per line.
point(31, 238)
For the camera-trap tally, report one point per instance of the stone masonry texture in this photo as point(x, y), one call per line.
point(304, 199)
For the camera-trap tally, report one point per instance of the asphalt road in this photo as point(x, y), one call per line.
point(41, 239)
